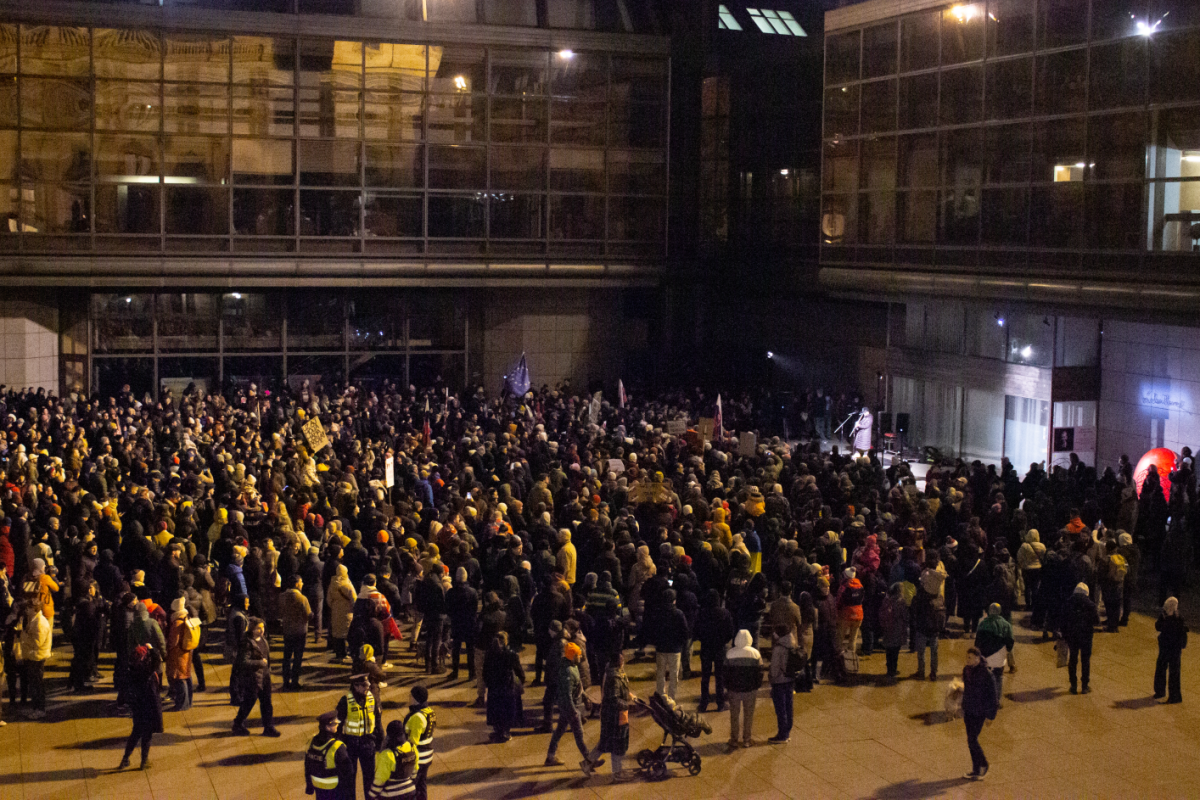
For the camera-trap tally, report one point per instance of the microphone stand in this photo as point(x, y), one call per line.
point(847, 419)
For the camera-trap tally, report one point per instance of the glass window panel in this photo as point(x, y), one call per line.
point(519, 72)
point(54, 208)
point(55, 157)
point(1174, 67)
point(457, 216)
point(634, 218)
point(8, 101)
point(577, 14)
point(1174, 210)
point(55, 50)
point(394, 215)
point(522, 167)
point(264, 59)
point(263, 212)
point(394, 117)
point(124, 322)
point(328, 163)
point(841, 57)
point(1117, 147)
point(8, 48)
point(63, 104)
point(264, 161)
point(919, 41)
point(576, 217)
point(376, 321)
point(197, 210)
point(329, 113)
point(879, 164)
point(1061, 82)
point(187, 321)
point(958, 222)
point(517, 216)
point(579, 76)
point(196, 57)
point(917, 217)
point(457, 118)
point(128, 106)
point(195, 108)
point(123, 158)
point(919, 160)
point(1030, 341)
point(1010, 27)
point(518, 119)
point(578, 123)
point(1008, 153)
point(839, 219)
point(456, 68)
point(511, 12)
point(1056, 215)
point(1058, 146)
point(638, 80)
point(452, 11)
point(962, 157)
point(1006, 216)
point(1174, 14)
point(963, 32)
point(880, 50)
point(1175, 143)
point(841, 111)
point(202, 159)
point(962, 96)
point(636, 172)
point(394, 67)
point(877, 216)
point(576, 170)
point(1115, 19)
point(262, 110)
point(1118, 74)
point(841, 166)
point(398, 166)
point(316, 321)
point(8, 158)
point(1009, 89)
point(126, 54)
point(918, 101)
point(1061, 23)
point(329, 213)
point(1114, 216)
point(879, 106)
point(128, 208)
point(336, 65)
point(457, 167)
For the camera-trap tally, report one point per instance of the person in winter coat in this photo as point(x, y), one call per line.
point(826, 650)
point(86, 626)
point(294, 613)
point(994, 640)
point(179, 654)
point(569, 688)
point(1172, 638)
point(668, 632)
point(314, 589)
point(1133, 560)
point(342, 598)
point(978, 705)
point(616, 698)
point(505, 679)
point(893, 628)
point(1029, 561)
point(462, 607)
point(36, 645)
point(254, 683)
point(743, 677)
point(714, 630)
point(928, 616)
point(145, 704)
point(1079, 621)
point(783, 682)
point(566, 558)
point(850, 611)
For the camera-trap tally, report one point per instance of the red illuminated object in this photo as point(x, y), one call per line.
point(1160, 457)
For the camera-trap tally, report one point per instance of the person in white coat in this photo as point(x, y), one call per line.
point(863, 432)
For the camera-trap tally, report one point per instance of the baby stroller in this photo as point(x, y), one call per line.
point(679, 726)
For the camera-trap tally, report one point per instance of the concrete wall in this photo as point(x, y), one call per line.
point(1149, 390)
point(29, 341)
point(565, 334)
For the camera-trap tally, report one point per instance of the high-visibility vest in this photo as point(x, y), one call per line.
point(360, 718)
point(425, 742)
point(399, 783)
point(321, 763)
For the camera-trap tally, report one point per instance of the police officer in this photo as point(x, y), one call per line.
point(418, 726)
point(361, 727)
point(395, 766)
point(328, 768)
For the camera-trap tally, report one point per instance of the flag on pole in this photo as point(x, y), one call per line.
point(621, 393)
point(719, 422)
point(427, 432)
point(518, 378)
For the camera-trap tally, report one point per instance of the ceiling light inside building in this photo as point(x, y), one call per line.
point(771, 21)
point(566, 54)
point(460, 83)
point(965, 13)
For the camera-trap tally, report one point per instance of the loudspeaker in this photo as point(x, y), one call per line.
point(902, 423)
point(885, 423)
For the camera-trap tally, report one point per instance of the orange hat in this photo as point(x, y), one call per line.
point(383, 537)
point(572, 653)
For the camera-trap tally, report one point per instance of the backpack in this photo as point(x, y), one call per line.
point(191, 639)
point(796, 662)
point(1118, 567)
point(853, 597)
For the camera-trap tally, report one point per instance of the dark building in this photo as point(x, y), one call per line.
point(1020, 181)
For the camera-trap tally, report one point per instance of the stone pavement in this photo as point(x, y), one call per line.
point(864, 741)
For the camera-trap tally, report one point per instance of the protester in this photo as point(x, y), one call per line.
point(614, 720)
point(786, 658)
point(568, 699)
point(743, 677)
point(505, 679)
point(1080, 619)
point(253, 666)
point(979, 705)
point(1172, 638)
point(144, 702)
point(994, 641)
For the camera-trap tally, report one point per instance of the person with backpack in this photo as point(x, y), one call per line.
point(1112, 585)
point(787, 660)
point(850, 611)
point(183, 636)
point(928, 616)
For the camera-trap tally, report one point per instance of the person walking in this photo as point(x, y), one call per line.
point(568, 697)
point(395, 767)
point(785, 657)
point(505, 679)
point(994, 640)
point(328, 768)
point(616, 698)
point(419, 725)
point(145, 704)
point(295, 611)
point(361, 727)
point(743, 677)
point(979, 705)
point(254, 680)
point(1172, 638)
point(1079, 620)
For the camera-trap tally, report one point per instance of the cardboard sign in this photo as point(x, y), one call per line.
point(705, 428)
point(616, 465)
point(747, 443)
point(314, 434)
point(677, 427)
point(389, 471)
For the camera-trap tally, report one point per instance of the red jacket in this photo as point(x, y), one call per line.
point(7, 558)
point(848, 609)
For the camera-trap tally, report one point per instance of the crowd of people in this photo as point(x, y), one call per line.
point(465, 528)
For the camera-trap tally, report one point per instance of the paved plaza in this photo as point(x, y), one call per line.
point(864, 741)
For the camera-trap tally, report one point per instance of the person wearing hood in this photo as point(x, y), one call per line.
point(313, 587)
point(893, 628)
point(41, 586)
point(505, 679)
point(994, 639)
point(183, 635)
point(1029, 561)
point(743, 678)
point(342, 598)
point(294, 613)
point(567, 557)
point(1079, 621)
point(668, 632)
point(87, 625)
point(1172, 639)
point(462, 607)
point(36, 644)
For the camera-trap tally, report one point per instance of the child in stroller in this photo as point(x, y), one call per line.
point(678, 726)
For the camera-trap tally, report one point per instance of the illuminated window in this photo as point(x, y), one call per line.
point(781, 22)
point(1069, 173)
point(726, 21)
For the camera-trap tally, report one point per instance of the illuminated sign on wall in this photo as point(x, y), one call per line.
point(1159, 397)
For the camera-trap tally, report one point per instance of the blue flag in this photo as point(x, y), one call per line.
point(517, 378)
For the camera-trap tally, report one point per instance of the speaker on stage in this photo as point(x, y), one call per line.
point(902, 423)
point(885, 423)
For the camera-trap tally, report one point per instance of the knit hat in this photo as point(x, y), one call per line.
point(1124, 539)
point(994, 610)
point(1082, 588)
point(848, 573)
point(571, 652)
point(178, 604)
point(460, 575)
point(1171, 607)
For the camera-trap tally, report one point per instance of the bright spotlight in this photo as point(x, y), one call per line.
point(566, 54)
point(770, 354)
point(1026, 351)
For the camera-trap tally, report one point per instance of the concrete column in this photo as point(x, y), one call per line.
point(29, 341)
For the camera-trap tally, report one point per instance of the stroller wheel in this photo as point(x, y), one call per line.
point(644, 758)
point(693, 764)
point(657, 770)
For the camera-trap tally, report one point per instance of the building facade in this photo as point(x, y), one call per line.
point(224, 191)
point(1020, 181)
